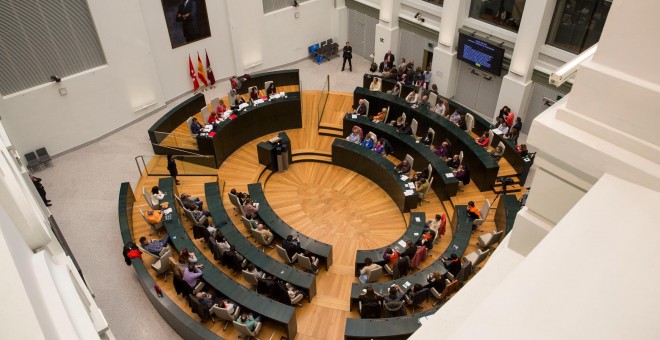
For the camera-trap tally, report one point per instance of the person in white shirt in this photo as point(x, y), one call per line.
point(412, 98)
point(156, 196)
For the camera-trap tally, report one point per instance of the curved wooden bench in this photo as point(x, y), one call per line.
point(182, 323)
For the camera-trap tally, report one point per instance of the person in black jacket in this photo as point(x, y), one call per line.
point(348, 55)
point(292, 246)
point(454, 266)
point(40, 189)
point(171, 167)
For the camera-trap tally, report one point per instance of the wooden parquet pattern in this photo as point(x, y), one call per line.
point(325, 202)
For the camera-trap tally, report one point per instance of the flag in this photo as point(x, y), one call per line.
point(192, 74)
point(209, 71)
point(201, 75)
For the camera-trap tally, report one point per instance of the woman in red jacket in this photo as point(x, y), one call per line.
point(483, 140)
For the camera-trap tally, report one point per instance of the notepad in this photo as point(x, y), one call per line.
point(417, 219)
point(497, 131)
point(242, 106)
point(416, 234)
point(449, 175)
point(402, 243)
point(354, 116)
point(411, 185)
point(258, 101)
point(404, 177)
point(167, 211)
point(408, 193)
point(406, 285)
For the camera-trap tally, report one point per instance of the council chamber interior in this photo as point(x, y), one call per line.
point(93, 91)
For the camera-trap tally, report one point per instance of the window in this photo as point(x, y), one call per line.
point(40, 39)
point(436, 2)
point(502, 13)
point(577, 24)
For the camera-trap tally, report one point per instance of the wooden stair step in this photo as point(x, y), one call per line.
point(331, 133)
point(330, 126)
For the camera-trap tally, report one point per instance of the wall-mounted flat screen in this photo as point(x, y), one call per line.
point(480, 54)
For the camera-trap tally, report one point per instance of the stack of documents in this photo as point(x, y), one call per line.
point(408, 192)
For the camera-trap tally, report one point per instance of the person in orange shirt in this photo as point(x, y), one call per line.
point(154, 216)
point(473, 212)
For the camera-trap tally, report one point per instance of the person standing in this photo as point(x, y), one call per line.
point(40, 189)
point(348, 55)
point(171, 167)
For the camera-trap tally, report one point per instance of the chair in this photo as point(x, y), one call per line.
point(413, 127)
point(32, 160)
point(465, 272)
point(312, 50)
point(251, 279)
point(252, 88)
point(387, 270)
point(247, 224)
point(426, 192)
point(371, 310)
point(404, 116)
point(476, 257)
point(417, 298)
point(236, 203)
point(432, 132)
point(231, 97)
point(295, 301)
point(178, 200)
point(154, 227)
point(502, 147)
point(374, 275)
point(223, 314)
point(198, 308)
point(307, 263)
point(469, 122)
point(198, 288)
point(374, 137)
point(490, 135)
point(324, 43)
point(366, 105)
point(162, 266)
point(487, 240)
point(387, 115)
point(43, 156)
point(261, 240)
point(214, 104)
point(189, 124)
point(410, 160)
point(206, 113)
point(394, 308)
point(244, 330)
point(443, 225)
point(329, 41)
point(460, 157)
point(400, 87)
point(147, 197)
point(485, 209)
point(433, 99)
point(451, 288)
point(283, 254)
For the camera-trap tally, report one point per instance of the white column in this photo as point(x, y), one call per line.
point(340, 19)
point(387, 30)
point(517, 85)
point(445, 64)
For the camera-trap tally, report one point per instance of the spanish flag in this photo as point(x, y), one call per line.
point(201, 75)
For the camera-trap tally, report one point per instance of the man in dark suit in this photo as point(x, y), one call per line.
point(348, 55)
point(187, 16)
point(361, 109)
point(390, 57)
point(292, 246)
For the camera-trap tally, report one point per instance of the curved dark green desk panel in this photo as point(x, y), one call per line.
point(506, 213)
point(251, 253)
point(482, 166)
point(177, 116)
point(282, 229)
point(462, 230)
point(386, 328)
point(280, 78)
point(375, 167)
point(213, 276)
point(443, 186)
point(182, 323)
point(413, 233)
point(251, 123)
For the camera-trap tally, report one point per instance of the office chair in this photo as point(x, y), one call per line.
point(413, 126)
point(374, 275)
point(460, 157)
point(43, 156)
point(488, 240)
point(244, 330)
point(206, 113)
point(236, 203)
point(261, 240)
point(283, 254)
point(251, 279)
point(307, 263)
point(485, 209)
point(32, 160)
point(469, 123)
point(162, 266)
point(223, 314)
point(433, 99)
point(501, 145)
point(432, 132)
point(417, 298)
point(476, 257)
point(411, 162)
point(147, 197)
point(426, 193)
point(214, 104)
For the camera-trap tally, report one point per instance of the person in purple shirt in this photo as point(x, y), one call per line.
point(443, 150)
point(192, 274)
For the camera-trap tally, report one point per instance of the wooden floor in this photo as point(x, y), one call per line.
point(325, 202)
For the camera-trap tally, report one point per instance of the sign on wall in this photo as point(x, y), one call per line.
point(187, 21)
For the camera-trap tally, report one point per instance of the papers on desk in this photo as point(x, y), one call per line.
point(283, 94)
point(411, 185)
point(408, 192)
point(208, 128)
point(497, 131)
point(449, 175)
point(167, 211)
point(226, 114)
point(416, 234)
point(275, 96)
point(242, 106)
point(406, 285)
point(417, 219)
point(404, 177)
point(402, 243)
point(258, 101)
point(354, 116)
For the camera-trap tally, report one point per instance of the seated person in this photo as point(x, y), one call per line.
point(253, 220)
point(424, 103)
point(196, 127)
point(379, 148)
point(238, 101)
point(248, 320)
point(370, 296)
point(154, 216)
point(254, 271)
point(271, 90)
point(292, 291)
point(398, 123)
point(369, 265)
point(410, 250)
point(254, 94)
point(435, 224)
point(156, 196)
point(412, 98)
point(188, 256)
point(483, 140)
point(442, 151)
point(375, 84)
point(456, 117)
point(427, 239)
point(428, 139)
point(192, 201)
point(454, 266)
point(395, 90)
point(503, 129)
point(414, 289)
point(241, 196)
point(368, 142)
point(512, 135)
point(292, 246)
point(420, 187)
point(380, 117)
point(474, 213)
point(395, 294)
point(496, 153)
point(421, 174)
point(361, 109)
point(192, 274)
point(463, 177)
point(355, 136)
point(435, 280)
point(221, 108)
point(213, 118)
point(439, 108)
point(222, 243)
point(390, 256)
point(229, 305)
point(518, 124)
point(265, 232)
point(434, 89)
point(523, 150)
point(405, 129)
point(206, 299)
point(249, 207)
point(155, 246)
point(453, 162)
point(403, 168)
